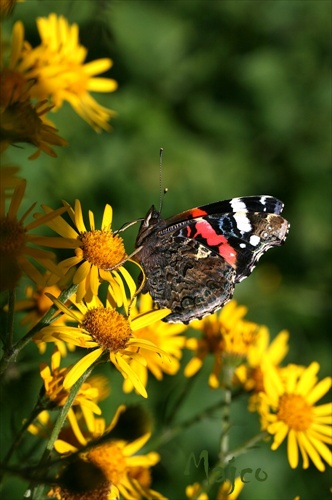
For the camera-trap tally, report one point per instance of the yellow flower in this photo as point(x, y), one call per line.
point(15, 249)
point(57, 395)
point(36, 304)
point(260, 354)
point(58, 70)
point(21, 121)
point(8, 180)
point(227, 337)
point(195, 491)
point(128, 472)
point(104, 330)
point(227, 486)
point(96, 251)
point(166, 337)
point(223, 493)
point(292, 412)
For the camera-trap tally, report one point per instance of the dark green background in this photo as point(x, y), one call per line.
point(238, 93)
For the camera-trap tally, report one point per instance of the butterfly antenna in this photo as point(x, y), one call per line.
point(162, 191)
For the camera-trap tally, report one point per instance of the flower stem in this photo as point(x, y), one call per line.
point(36, 492)
point(12, 352)
point(10, 327)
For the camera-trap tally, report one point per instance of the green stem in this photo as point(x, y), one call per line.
point(37, 491)
point(214, 475)
point(35, 412)
point(224, 441)
point(180, 399)
point(10, 327)
point(11, 353)
point(170, 433)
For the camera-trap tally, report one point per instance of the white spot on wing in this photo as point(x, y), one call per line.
point(254, 240)
point(243, 245)
point(238, 205)
point(242, 222)
point(202, 253)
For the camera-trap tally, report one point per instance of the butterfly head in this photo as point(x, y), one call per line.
point(151, 222)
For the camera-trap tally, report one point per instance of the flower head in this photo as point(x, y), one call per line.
point(57, 68)
point(260, 355)
point(86, 399)
point(165, 336)
point(22, 121)
point(106, 331)
point(227, 490)
point(15, 240)
point(96, 251)
point(225, 335)
point(290, 398)
point(124, 469)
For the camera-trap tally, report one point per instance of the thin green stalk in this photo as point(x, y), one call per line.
point(180, 399)
point(36, 492)
point(224, 441)
point(10, 325)
point(11, 353)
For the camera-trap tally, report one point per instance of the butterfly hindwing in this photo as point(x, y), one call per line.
point(189, 278)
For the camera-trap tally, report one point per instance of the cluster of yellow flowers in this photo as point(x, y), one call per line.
point(64, 306)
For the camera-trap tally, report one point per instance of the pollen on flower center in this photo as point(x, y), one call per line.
point(110, 459)
point(107, 327)
point(295, 412)
point(12, 236)
point(102, 248)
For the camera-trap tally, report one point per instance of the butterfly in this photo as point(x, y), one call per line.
point(193, 260)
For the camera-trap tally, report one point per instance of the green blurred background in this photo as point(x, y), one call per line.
point(238, 93)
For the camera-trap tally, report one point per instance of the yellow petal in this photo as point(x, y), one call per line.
point(106, 223)
point(292, 449)
point(148, 318)
point(81, 367)
point(79, 217)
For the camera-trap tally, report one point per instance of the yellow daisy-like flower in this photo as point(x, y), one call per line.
point(20, 120)
point(15, 240)
point(195, 491)
point(96, 251)
point(58, 70)
point(227, 486)
point(123, 468)
point(104, 330)
point(36, 304)
point(227, 337)
point(291, 400)
point(260, 354)
point(57, 395)
point(164, 335)
point(8, 180)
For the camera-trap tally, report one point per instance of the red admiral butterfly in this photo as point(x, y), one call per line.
point(193, 260)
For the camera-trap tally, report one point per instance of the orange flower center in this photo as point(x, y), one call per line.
point(110, 459)
point(295, 412)
point(99, 493)
point(108, 327)
point(12, 237)
point(102, 248)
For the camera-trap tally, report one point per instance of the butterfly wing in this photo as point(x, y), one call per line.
point(187, 277)
point(193, 260)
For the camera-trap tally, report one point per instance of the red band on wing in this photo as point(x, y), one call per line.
point(225, 250)
point(197, 212)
